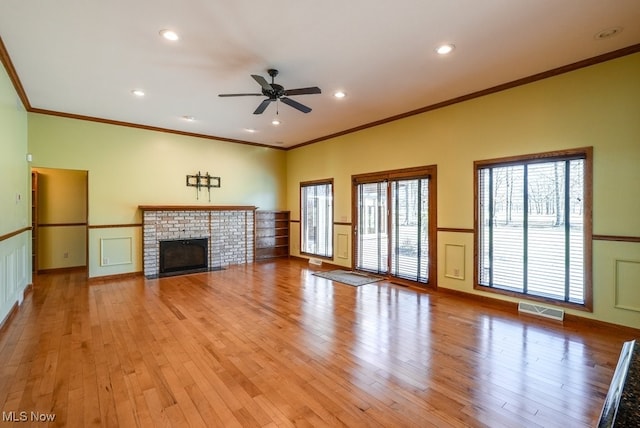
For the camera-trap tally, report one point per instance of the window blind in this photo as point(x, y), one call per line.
point(531, 227)
point(409, 221)
point(316, 217)
point(372, 244)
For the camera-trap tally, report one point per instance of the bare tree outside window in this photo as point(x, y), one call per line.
point(531, 226)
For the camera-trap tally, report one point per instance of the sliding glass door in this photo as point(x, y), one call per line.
point(395, 223)
point(372, 243)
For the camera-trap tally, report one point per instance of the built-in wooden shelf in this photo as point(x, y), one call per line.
point(272, 234)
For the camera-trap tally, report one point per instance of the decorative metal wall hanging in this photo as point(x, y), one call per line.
point(200, 181)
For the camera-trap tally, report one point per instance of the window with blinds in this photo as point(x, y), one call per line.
point(533, 226)
point(316, 218)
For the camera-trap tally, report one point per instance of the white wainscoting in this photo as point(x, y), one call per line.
point(15, 271)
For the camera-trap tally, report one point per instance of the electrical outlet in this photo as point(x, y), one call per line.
point(105, 261)
point(66, 255)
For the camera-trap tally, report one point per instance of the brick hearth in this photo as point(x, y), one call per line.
point(230, 231)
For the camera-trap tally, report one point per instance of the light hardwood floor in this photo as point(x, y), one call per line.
point(270, 344)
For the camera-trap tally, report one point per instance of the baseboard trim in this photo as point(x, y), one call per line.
point(325, 264)
point(27, 290)
point(633, 333)
point(106, 278)
point(4, 324)
point(62, 270)
point(569, 319)
point(489, 301)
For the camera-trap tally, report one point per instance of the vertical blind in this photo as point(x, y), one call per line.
point(393, 228)
point(410, 236)
point(317, 219)
point(531, 228)
point(372, 237)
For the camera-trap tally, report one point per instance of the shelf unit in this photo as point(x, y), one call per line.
point(34, 221)
point(272, 234)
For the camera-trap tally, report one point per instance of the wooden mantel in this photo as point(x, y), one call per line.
point(197, 207)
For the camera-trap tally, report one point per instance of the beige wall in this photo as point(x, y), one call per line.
point(15, 198)
point(598, 106)
point(128, 167)
point(14, 168)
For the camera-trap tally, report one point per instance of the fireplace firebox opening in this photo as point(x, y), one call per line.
point(183, 255)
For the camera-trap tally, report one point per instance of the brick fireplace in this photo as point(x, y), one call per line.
point(229, 231)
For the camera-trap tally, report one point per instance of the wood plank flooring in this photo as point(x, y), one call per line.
point(271, 345)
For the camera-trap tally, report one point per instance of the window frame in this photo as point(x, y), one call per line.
point(585, 153)
point(323, 182)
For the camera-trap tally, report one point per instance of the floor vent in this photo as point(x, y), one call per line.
point(543, 311)
point(315, 262)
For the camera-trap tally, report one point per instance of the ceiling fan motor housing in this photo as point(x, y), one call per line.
point(277, 92)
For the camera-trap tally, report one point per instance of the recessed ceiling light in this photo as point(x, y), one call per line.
point(445, 49)
point(169, 35)
point(609, 32)
point(189, 118)
point(339, 94)
point(138, 92)
point(250, 130)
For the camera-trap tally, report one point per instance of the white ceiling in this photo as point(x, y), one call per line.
point(83, 57)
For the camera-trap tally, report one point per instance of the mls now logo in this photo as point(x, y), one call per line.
point(27, 417)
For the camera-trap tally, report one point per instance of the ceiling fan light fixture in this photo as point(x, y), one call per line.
point(170, 35)
point(445, 49)
point(339, 94)
point(275, 122)
point(609, 32)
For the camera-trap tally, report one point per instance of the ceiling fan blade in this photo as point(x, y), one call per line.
point(263, 106)
point(238, 95)
point(303, 91)
point(262, 82)
point(296, 105)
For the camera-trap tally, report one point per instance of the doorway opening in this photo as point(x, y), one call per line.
point(59, 216)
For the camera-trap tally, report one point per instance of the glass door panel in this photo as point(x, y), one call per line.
point(372, 237)
point(410, 229)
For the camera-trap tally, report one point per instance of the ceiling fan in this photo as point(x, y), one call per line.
point(275, 92)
